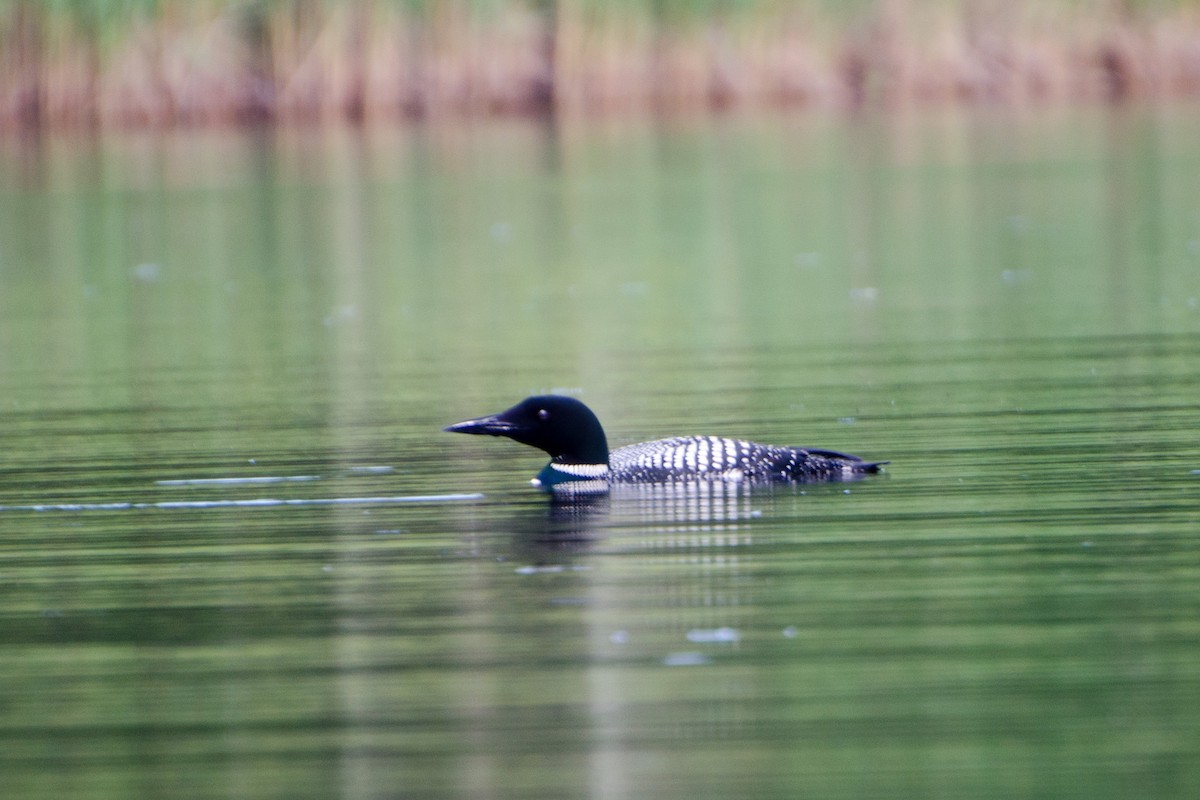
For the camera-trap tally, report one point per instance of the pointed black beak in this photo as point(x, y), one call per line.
point(483, 426)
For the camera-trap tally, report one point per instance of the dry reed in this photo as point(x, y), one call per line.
point(209, 61)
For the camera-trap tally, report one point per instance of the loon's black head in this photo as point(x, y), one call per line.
point(562, 426)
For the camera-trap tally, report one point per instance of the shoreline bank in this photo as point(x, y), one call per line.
point(206, 63)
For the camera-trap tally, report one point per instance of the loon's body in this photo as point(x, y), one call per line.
point(580, 461)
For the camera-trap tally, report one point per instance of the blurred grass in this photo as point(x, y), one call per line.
point(162, 62)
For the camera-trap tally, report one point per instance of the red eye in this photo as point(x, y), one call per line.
point(543, 414)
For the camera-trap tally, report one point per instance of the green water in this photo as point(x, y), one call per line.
point(1005, 305)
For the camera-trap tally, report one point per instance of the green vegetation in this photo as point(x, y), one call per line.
point(159, 62)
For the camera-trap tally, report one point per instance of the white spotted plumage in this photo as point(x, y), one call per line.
point(715, 458)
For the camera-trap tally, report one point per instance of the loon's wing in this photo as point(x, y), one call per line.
point(713, 457)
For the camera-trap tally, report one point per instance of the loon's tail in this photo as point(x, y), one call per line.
point(847, 462)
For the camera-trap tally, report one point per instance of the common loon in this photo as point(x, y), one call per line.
point(580, 461)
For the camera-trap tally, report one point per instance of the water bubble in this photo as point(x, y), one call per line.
point(713, 635)
point(148, 272)
point(533, 569)
point(866, 295)
point(1018, 223)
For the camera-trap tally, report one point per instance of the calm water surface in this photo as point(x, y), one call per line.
point(1006, 306)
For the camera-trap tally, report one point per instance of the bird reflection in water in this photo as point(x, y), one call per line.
point(572, 524)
